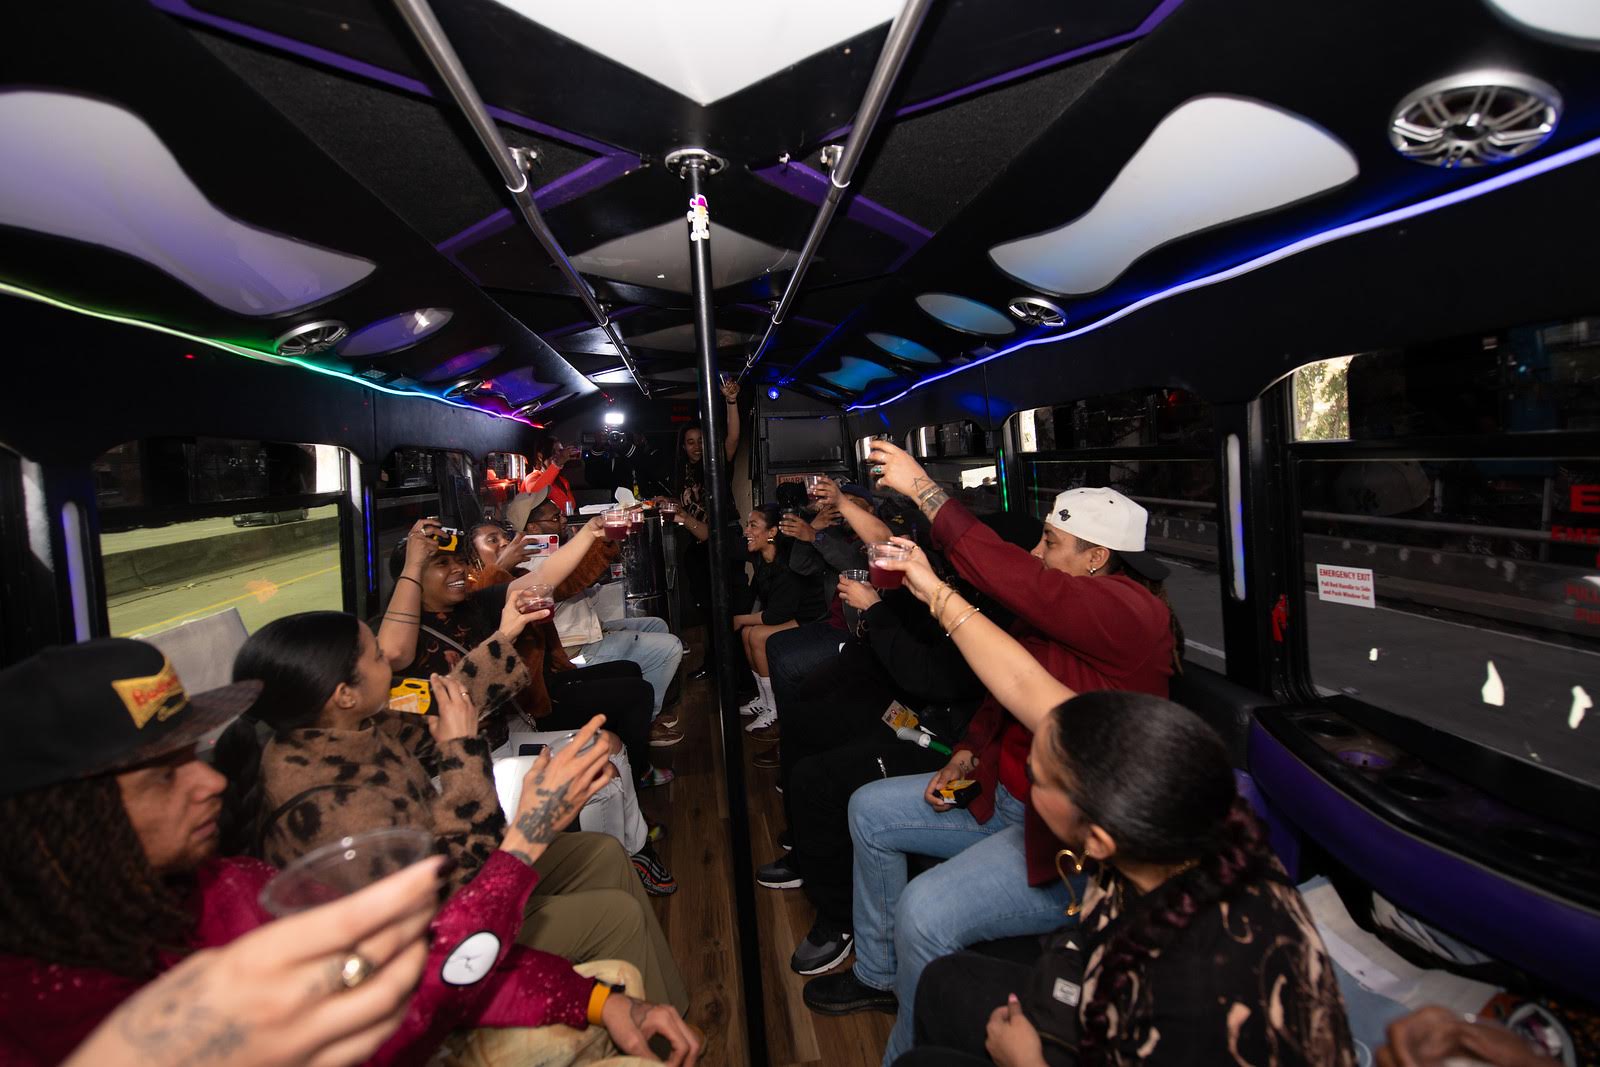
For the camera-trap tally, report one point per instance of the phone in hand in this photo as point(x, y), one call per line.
point(536, 546)
point(413, 696)
point(530, 749)
point(565, 741)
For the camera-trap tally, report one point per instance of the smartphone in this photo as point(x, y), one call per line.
point(449, 539)
point(530, 749)
point(539, 545)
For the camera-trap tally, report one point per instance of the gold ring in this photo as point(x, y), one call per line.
point(355, 969)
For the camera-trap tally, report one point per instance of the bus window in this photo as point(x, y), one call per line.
point(1157, 447)
point(419, 482)
point(1450, 518)
point(502, 474)
point(170, 552)
point(960, 457)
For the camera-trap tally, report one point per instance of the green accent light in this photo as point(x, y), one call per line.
point(251, 353)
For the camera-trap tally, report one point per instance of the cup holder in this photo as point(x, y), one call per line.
point(1542, 844)
point(1412, 787)
point(1371, 761)
point(1323, 726)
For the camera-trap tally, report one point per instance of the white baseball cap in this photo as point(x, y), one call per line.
point(1107, 518)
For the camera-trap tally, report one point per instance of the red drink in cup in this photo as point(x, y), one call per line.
point(537, 598)
point(885, 579)
point(616, 525)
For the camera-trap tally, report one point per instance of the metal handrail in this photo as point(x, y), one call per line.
point(430, 35)
point(1425, 524)
point(890, 60)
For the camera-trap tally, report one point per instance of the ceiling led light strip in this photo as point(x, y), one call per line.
point(247, 353)
point(1505, 179)
point(1213, 160)
point(91, 171)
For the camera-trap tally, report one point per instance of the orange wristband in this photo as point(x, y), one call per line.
point(597, 1001)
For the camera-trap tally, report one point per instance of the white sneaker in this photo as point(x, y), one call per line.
point(753, 706)
point(766, 717)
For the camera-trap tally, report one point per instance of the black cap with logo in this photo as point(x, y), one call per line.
point(74, 711)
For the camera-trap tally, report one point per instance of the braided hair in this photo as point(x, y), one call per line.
point(1156, 589)
point(76, 887)
point(1157, 779)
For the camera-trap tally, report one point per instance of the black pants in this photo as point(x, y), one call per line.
point(818, 800)
point(955, 997)
point(830, 705)
point(616, 690)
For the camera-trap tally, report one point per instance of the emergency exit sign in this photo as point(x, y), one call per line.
point(1346, 585)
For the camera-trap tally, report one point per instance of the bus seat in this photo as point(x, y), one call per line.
point(202, 650)
point(1283, 837)
point(1225, 704)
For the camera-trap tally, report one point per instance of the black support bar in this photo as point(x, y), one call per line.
point(442, 54)
point(694, 170)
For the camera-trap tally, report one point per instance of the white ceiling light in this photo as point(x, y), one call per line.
point(966, 315)
point(642, 258)
point(1476, 119)
point(712, 48)
point(1213, 160)
point(1571, 22)
point(904, 348)
point(614, 418)
point(91, 171)
point(855, 374)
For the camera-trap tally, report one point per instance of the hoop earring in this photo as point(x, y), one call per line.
point(1066, 879)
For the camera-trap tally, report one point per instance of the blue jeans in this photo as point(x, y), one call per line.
point(647, 642)
point(979, 893)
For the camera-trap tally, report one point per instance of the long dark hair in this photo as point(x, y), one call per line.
point(1156, 589)
point(300, 660)
point(1156, 778)
point(76, 887)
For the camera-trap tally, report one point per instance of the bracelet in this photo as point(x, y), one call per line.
point(937, 601)
point(408, 578)
point(970, 612)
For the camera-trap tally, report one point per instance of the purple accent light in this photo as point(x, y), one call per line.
point(809, 185)
point(1550, 938)
point(1566, 157)
point(183, 9)
point(586, 179)
point(1151, 21)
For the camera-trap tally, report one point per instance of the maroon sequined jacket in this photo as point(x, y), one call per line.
point(47, 1010)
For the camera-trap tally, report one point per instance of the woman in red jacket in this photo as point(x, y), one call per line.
point(1089, 608)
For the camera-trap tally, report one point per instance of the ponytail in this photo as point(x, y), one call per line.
point(1236, 857)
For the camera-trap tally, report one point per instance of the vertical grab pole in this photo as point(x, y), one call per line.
point(695, 166)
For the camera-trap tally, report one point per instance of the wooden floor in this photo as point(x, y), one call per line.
point(699, 919)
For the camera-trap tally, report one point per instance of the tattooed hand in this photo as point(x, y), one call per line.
point(273, 997)
point(896, 470)
point(555, 789)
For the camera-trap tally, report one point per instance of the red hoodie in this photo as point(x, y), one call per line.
point(47, 1010)
point(1089, 633)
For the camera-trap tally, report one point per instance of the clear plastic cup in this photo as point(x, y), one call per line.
point(812, 483)
point(616, 525)
point(856, 575)
point(342, 867)
point(885, 551)
point(537, 597)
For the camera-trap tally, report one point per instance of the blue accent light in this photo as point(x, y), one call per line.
point(772, 393)
point(1555, 161)
point(856, 374)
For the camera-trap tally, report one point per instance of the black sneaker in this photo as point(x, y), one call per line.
point(779, 875)
point(843, 994)
point(824, 948)
point(657, 880)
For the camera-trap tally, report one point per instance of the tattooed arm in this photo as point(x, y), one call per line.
point(904, 475)
point(554, 790)
point(274, 996)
